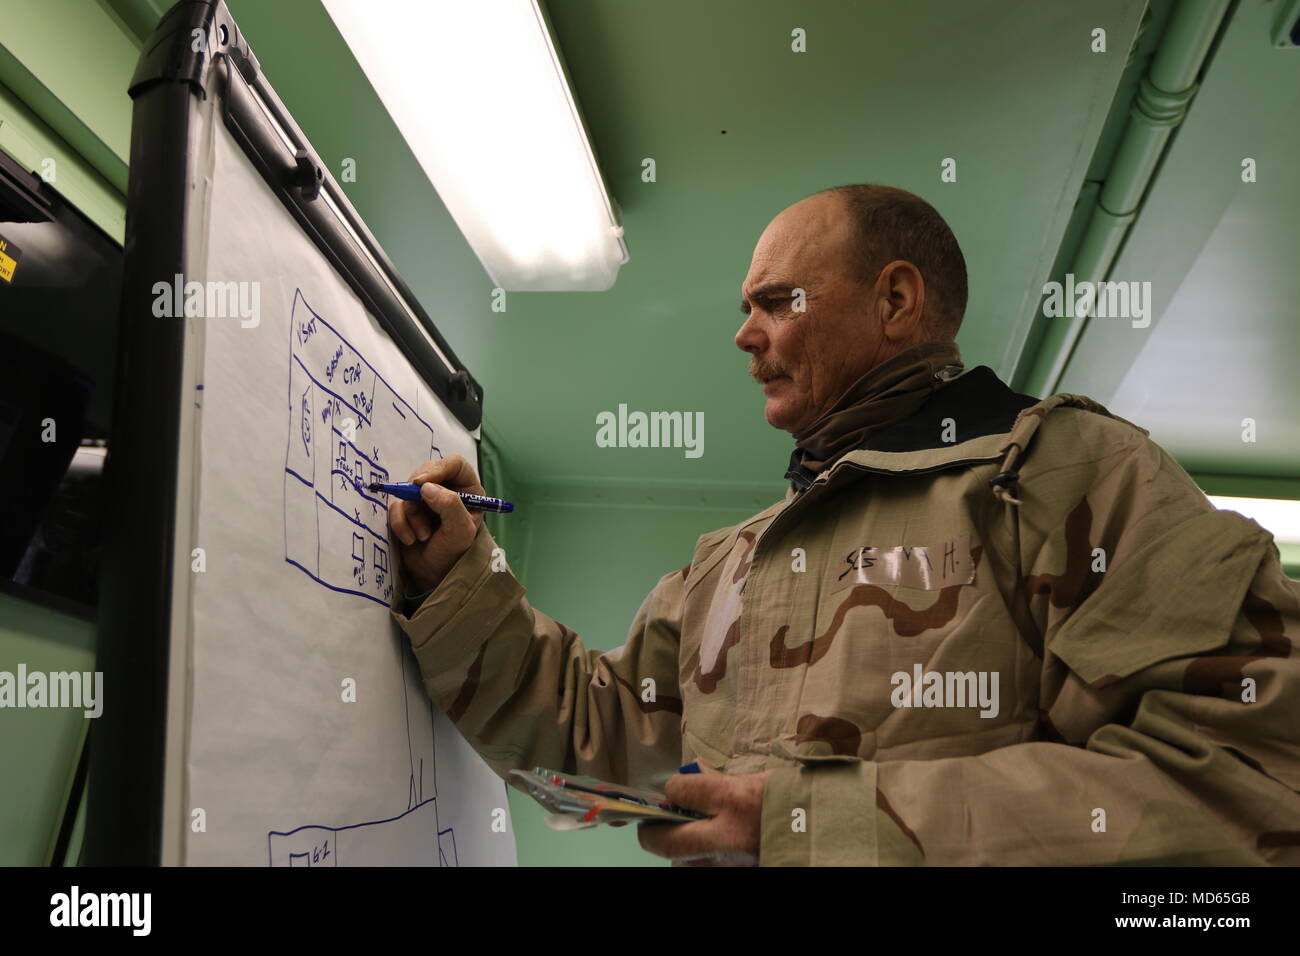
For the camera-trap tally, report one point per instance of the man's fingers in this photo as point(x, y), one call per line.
point(453, 472)
point(702, 843)
point(679, 841)
point(697, 791)
point(420, 519)
point(439, 481)
point(409, 521)
point(722, 858)
point(397, 521)
point(451, 511)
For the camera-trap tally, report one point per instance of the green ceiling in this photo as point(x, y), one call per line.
point(1223, 257)
point(884, 93)
point(1011, 90)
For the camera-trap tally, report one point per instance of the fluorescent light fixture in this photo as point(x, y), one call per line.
point(478, 92)
point(1278, 515)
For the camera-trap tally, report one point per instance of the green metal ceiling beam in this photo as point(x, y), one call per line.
point(138, 17)
point(31, 141)
point(1159, 106)
point(15, 76)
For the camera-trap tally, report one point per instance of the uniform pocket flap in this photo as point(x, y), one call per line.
point(810, 752)
point(1177, 595)
point(709, 550)
point(695, 747)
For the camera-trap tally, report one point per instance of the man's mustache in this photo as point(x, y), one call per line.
point(759, 371)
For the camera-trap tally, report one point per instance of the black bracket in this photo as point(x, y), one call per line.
point(461, 386)
point(186, 42)
point(21, 197)
point(307, 175)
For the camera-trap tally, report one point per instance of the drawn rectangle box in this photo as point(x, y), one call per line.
point(311, 846)
point(447, 854)
point(344, 549)
point(300, 530)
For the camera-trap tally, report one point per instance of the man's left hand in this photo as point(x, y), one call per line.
point(729, 838)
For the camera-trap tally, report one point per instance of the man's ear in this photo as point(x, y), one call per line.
point(901, 296)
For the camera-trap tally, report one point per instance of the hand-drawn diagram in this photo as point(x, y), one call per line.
point(415, 831)
point(345, 424)
point(326, 846)
point(344, 419)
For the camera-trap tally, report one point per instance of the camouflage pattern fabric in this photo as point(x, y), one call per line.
point(1082, 662)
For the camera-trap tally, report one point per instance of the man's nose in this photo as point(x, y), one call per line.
point(751, 337)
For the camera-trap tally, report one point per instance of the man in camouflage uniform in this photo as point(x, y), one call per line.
point(980, 628)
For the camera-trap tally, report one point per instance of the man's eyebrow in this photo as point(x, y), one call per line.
point(761, 290)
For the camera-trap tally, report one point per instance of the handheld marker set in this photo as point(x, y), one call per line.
point(577, 802)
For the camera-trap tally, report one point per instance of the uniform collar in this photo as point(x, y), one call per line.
point(966, 421)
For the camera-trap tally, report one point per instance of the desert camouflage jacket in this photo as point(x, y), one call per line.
point(1005, 631)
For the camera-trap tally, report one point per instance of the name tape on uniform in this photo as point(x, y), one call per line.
point(926, 568)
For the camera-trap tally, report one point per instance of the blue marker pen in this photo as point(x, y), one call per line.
point(409, 491)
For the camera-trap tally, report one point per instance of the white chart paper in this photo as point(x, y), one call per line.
point(294, 416)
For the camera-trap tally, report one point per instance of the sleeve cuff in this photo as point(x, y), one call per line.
point(447, 625)
point(785, 840)
point(410, 603)
point(827, 814)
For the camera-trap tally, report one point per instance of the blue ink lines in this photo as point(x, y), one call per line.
point(338, 406)
point(314, 845)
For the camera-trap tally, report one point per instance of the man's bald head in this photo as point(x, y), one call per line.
point(840, 282)
point(890, 224)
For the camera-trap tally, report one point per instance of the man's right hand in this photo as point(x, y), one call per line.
point(436, 530)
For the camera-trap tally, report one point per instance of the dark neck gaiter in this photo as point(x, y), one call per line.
point(890, 392)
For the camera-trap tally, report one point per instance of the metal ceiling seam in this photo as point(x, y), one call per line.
point(1159, 107)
